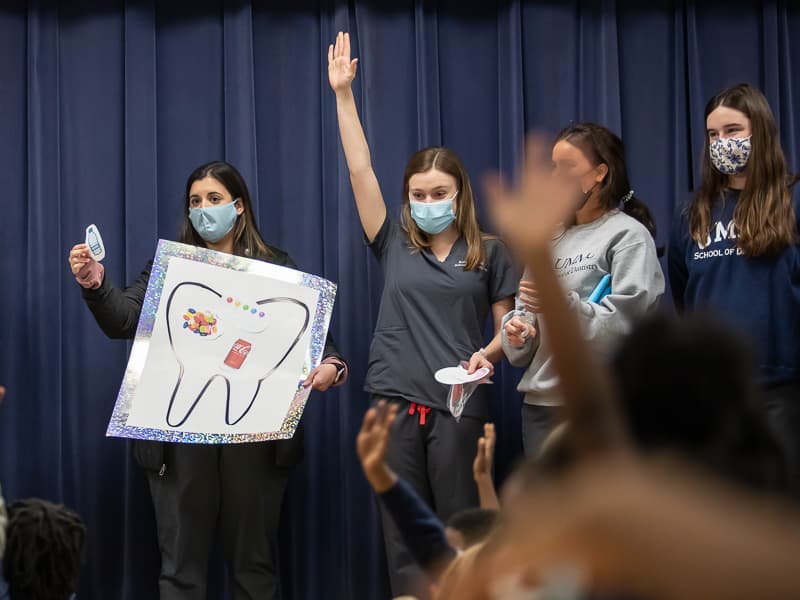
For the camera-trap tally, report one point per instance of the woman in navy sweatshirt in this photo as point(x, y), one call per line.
point(734, 249)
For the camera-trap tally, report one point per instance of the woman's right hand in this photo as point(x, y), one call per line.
point(518, 331)
point(87, 271)
point(366, 190)
point(79, 257)
point(341, 69)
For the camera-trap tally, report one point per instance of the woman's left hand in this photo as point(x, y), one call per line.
point(479, 361)
point(322, 378)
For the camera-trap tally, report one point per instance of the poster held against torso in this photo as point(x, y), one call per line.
point(221, 350)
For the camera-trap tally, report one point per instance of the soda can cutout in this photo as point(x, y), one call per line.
point(238, 352)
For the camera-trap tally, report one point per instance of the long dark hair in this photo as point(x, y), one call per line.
point(446, 161)
point(247, 240)
point(764, 214)
point(601, 146)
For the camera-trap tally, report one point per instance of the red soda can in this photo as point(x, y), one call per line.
point(237, 354)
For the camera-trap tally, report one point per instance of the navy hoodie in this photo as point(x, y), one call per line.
point(760, 296)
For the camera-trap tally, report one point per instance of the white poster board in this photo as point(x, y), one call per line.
point(221, 350)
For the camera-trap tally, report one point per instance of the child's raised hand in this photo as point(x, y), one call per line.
point(530, 214)
point(373, 442)
point(484, 458)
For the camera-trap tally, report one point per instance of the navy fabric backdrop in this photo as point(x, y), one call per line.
point(105, 107)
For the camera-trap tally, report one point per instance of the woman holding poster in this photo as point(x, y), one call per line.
point(196, 486)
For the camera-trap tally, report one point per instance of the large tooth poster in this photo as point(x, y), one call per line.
point(221, 350)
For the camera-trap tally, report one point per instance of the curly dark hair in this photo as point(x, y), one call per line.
point(44, 550)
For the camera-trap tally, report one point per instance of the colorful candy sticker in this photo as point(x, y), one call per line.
point(245, 307)
point(203, 323)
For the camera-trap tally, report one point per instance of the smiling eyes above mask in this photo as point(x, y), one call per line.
point(433, 217)
point(730, 155)
point(215, 222)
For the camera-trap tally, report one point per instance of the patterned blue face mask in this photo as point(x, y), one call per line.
point(433, 217)
point(215, 222)
point(730, 155)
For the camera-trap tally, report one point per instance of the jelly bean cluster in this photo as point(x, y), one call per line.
point(246, 307)
point(201, 323)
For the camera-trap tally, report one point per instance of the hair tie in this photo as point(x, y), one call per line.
point(626, 198)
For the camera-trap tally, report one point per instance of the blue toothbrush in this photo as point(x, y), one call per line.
point(602, 289)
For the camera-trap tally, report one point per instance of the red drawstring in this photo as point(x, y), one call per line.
point(422, 410)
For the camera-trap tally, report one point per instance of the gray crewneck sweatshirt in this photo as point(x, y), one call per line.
point(617, 244)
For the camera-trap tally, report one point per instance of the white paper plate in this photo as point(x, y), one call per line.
point(454, 375)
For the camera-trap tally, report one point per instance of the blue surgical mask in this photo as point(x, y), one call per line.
point(215, 222)
point(433, 217)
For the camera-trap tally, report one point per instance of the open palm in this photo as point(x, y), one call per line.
point(482, 465)
point(373, 439)
point(531, 213)
point(341, 69)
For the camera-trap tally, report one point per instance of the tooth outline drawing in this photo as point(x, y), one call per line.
point(211, 379)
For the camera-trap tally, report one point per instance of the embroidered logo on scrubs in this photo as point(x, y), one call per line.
point(462, 264)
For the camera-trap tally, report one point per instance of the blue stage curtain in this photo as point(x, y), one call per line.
point(105, 107)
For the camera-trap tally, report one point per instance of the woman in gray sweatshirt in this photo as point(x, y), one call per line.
point(612, 235)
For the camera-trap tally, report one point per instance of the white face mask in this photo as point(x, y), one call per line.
point(730, 155)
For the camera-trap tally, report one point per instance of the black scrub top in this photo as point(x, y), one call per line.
point(432, 315)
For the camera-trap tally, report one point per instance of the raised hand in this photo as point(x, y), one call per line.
point(531, 214)
point(482, 465)
point(341, 69)
point(373, 442)
point(482, 469)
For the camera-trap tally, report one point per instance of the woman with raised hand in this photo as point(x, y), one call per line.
point(443, 278)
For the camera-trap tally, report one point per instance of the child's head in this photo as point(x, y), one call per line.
point(469, 527)
point(462, 566)
point(44, 550)
point(689, 385)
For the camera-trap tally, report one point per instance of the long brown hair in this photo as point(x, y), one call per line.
point(601, 146)
point(764, 214)
point(247, 240)
point(446, 161)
